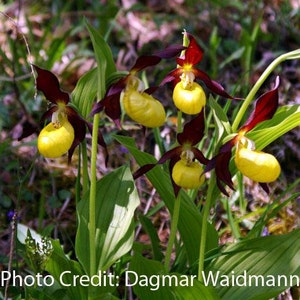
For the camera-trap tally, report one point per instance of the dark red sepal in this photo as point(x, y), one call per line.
point(145, 61)
point(220, 163)
point(212, 85)
point(143, 170)
point(48, 83)
point(193, 54)
point(200, 156)
point(170, 51)
point(49, 112)
point(79, 126)
point(28, 128)
point(265, 108)
point(193, 131)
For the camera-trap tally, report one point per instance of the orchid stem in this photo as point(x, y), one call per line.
point(92, 199)
point(174, 223)
point(290, 55)
point(205, 215)
point(85, 175)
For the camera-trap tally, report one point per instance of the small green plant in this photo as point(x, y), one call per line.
point(190, 177)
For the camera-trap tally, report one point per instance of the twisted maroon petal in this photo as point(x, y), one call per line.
point(145, 61)
point(212, 85)
point(193, 131)
point(48, 83)
point(265, 108)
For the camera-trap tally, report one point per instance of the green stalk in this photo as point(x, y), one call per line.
point(174, 223)
point(290, 55)
point(92, 199)
point(85, 174)
point(205, 215)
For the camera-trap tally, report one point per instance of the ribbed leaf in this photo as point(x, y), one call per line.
point(84, 94)
point(93, 83)
point(116, 201)
point(286, 118)
point(267, 257)
point(150, 281)
point(190, 219)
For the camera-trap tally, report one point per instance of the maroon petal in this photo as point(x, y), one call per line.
point(79, 125)
point(27, 129)
point(193, 54)
point(173, 76)
point(221, 165)
point(48, 83)
point(145, 61)
point(171, 154)
point(212, 85)
point(111, 106)
point(143, 170)
point(49, 112)
point(200, 156)
point(193, 131)
point(222, 169)
point(265, 108)
point(170, 51)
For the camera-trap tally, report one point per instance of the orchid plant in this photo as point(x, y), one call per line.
point(106, 207)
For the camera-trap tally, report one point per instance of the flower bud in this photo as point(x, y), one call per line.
point(257, 165)
point(143, 108)
point(189, 99)
point(188, 175)
point(54, 141)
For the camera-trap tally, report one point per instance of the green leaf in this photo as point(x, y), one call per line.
point(190, 219)
point(152, 233)
point(59, 263)
point(116, 201)
point(93, 84)
point(104, 57)
point(286, 118)
point(84, 94)
point(265, 258)
point(221, 120)
point(150, 281)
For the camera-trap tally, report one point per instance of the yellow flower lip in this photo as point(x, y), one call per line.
point(188, 175)
point(54, 141)
point(257, 165)
point(143, 108)
point(190, 98)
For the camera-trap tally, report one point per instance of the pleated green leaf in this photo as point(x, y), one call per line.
point(266, 266)
point(60, 263)
point(93, 84)
point(116, 201)
point(150, 281)
point(190, 219)
point(286, 118)
point(84, 94)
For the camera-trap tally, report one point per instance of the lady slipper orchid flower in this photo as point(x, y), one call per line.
point(67, 128)
point(257, 165)
point(185, 171)
point(141, 106)
point(137, 102)
point(188, 95)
